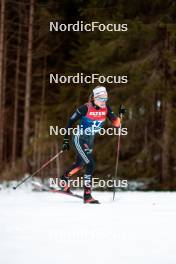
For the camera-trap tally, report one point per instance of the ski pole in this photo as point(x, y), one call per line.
point(117, 158)
point(37, 171)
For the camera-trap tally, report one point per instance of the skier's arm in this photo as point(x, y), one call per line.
point(115, 120)
point(81, 111)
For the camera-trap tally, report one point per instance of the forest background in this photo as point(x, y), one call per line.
point(29, 104)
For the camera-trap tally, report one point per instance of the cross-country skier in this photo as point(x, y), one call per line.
point(92, 116)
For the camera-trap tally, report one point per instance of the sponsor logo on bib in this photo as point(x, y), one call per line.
point(97, 113)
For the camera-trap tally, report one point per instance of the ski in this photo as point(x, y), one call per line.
point(42, 187)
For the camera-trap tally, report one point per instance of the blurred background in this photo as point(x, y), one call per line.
point(146, 53)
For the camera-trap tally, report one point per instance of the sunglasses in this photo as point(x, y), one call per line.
point(102, 99)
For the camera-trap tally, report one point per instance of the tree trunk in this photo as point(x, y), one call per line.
point(15, 119)
point(165, 175)
point(166, 143)
point(3, 122)
point(41, 124)
point(2, 23)
point(28, 85)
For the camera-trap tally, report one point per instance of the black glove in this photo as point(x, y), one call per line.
point(122, 110)
point(65, 145)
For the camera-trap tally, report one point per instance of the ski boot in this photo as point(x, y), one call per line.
point(88, 197)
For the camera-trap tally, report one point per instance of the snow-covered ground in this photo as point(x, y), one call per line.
point(53, 228)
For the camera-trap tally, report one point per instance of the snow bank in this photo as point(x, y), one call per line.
point(52, 228)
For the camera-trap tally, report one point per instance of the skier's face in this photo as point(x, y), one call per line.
point(101, 100)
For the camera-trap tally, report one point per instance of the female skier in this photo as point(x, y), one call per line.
point(92, 116)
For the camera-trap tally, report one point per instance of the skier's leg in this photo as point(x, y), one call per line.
point(84, 150)
point(75, 167)
point(89, 171)
point(88, 181)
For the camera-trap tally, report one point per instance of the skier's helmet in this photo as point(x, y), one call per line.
point(99, 91)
